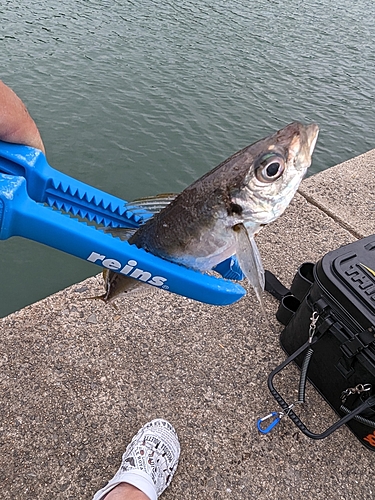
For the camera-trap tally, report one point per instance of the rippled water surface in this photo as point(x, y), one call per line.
point(143, 97)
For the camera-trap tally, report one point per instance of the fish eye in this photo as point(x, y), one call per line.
point(270, 168)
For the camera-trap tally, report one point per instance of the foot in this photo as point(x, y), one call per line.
point(150, 460)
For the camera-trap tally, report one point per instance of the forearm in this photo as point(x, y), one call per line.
point(16, 125)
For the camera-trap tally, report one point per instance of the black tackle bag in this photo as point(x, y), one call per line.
point(329, 318)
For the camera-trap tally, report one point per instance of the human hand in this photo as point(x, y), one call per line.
point(16, 125)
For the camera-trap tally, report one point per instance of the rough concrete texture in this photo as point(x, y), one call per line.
point(347, 193)
point(79, 378)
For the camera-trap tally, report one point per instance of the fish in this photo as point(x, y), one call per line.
point(219, 215)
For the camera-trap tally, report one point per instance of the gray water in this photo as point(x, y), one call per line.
point(141, 97)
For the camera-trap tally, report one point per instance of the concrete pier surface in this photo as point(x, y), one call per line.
point(78, 378)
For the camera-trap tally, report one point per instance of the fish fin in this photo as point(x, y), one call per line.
point(154, 204)
point(117, 285)
point(250, 261)
point(124, 233)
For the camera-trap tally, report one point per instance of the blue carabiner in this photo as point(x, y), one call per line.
point(275, 415)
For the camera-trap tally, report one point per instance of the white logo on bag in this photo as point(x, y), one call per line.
point(129, 269)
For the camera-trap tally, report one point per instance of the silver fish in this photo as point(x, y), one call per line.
point(219, 214)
